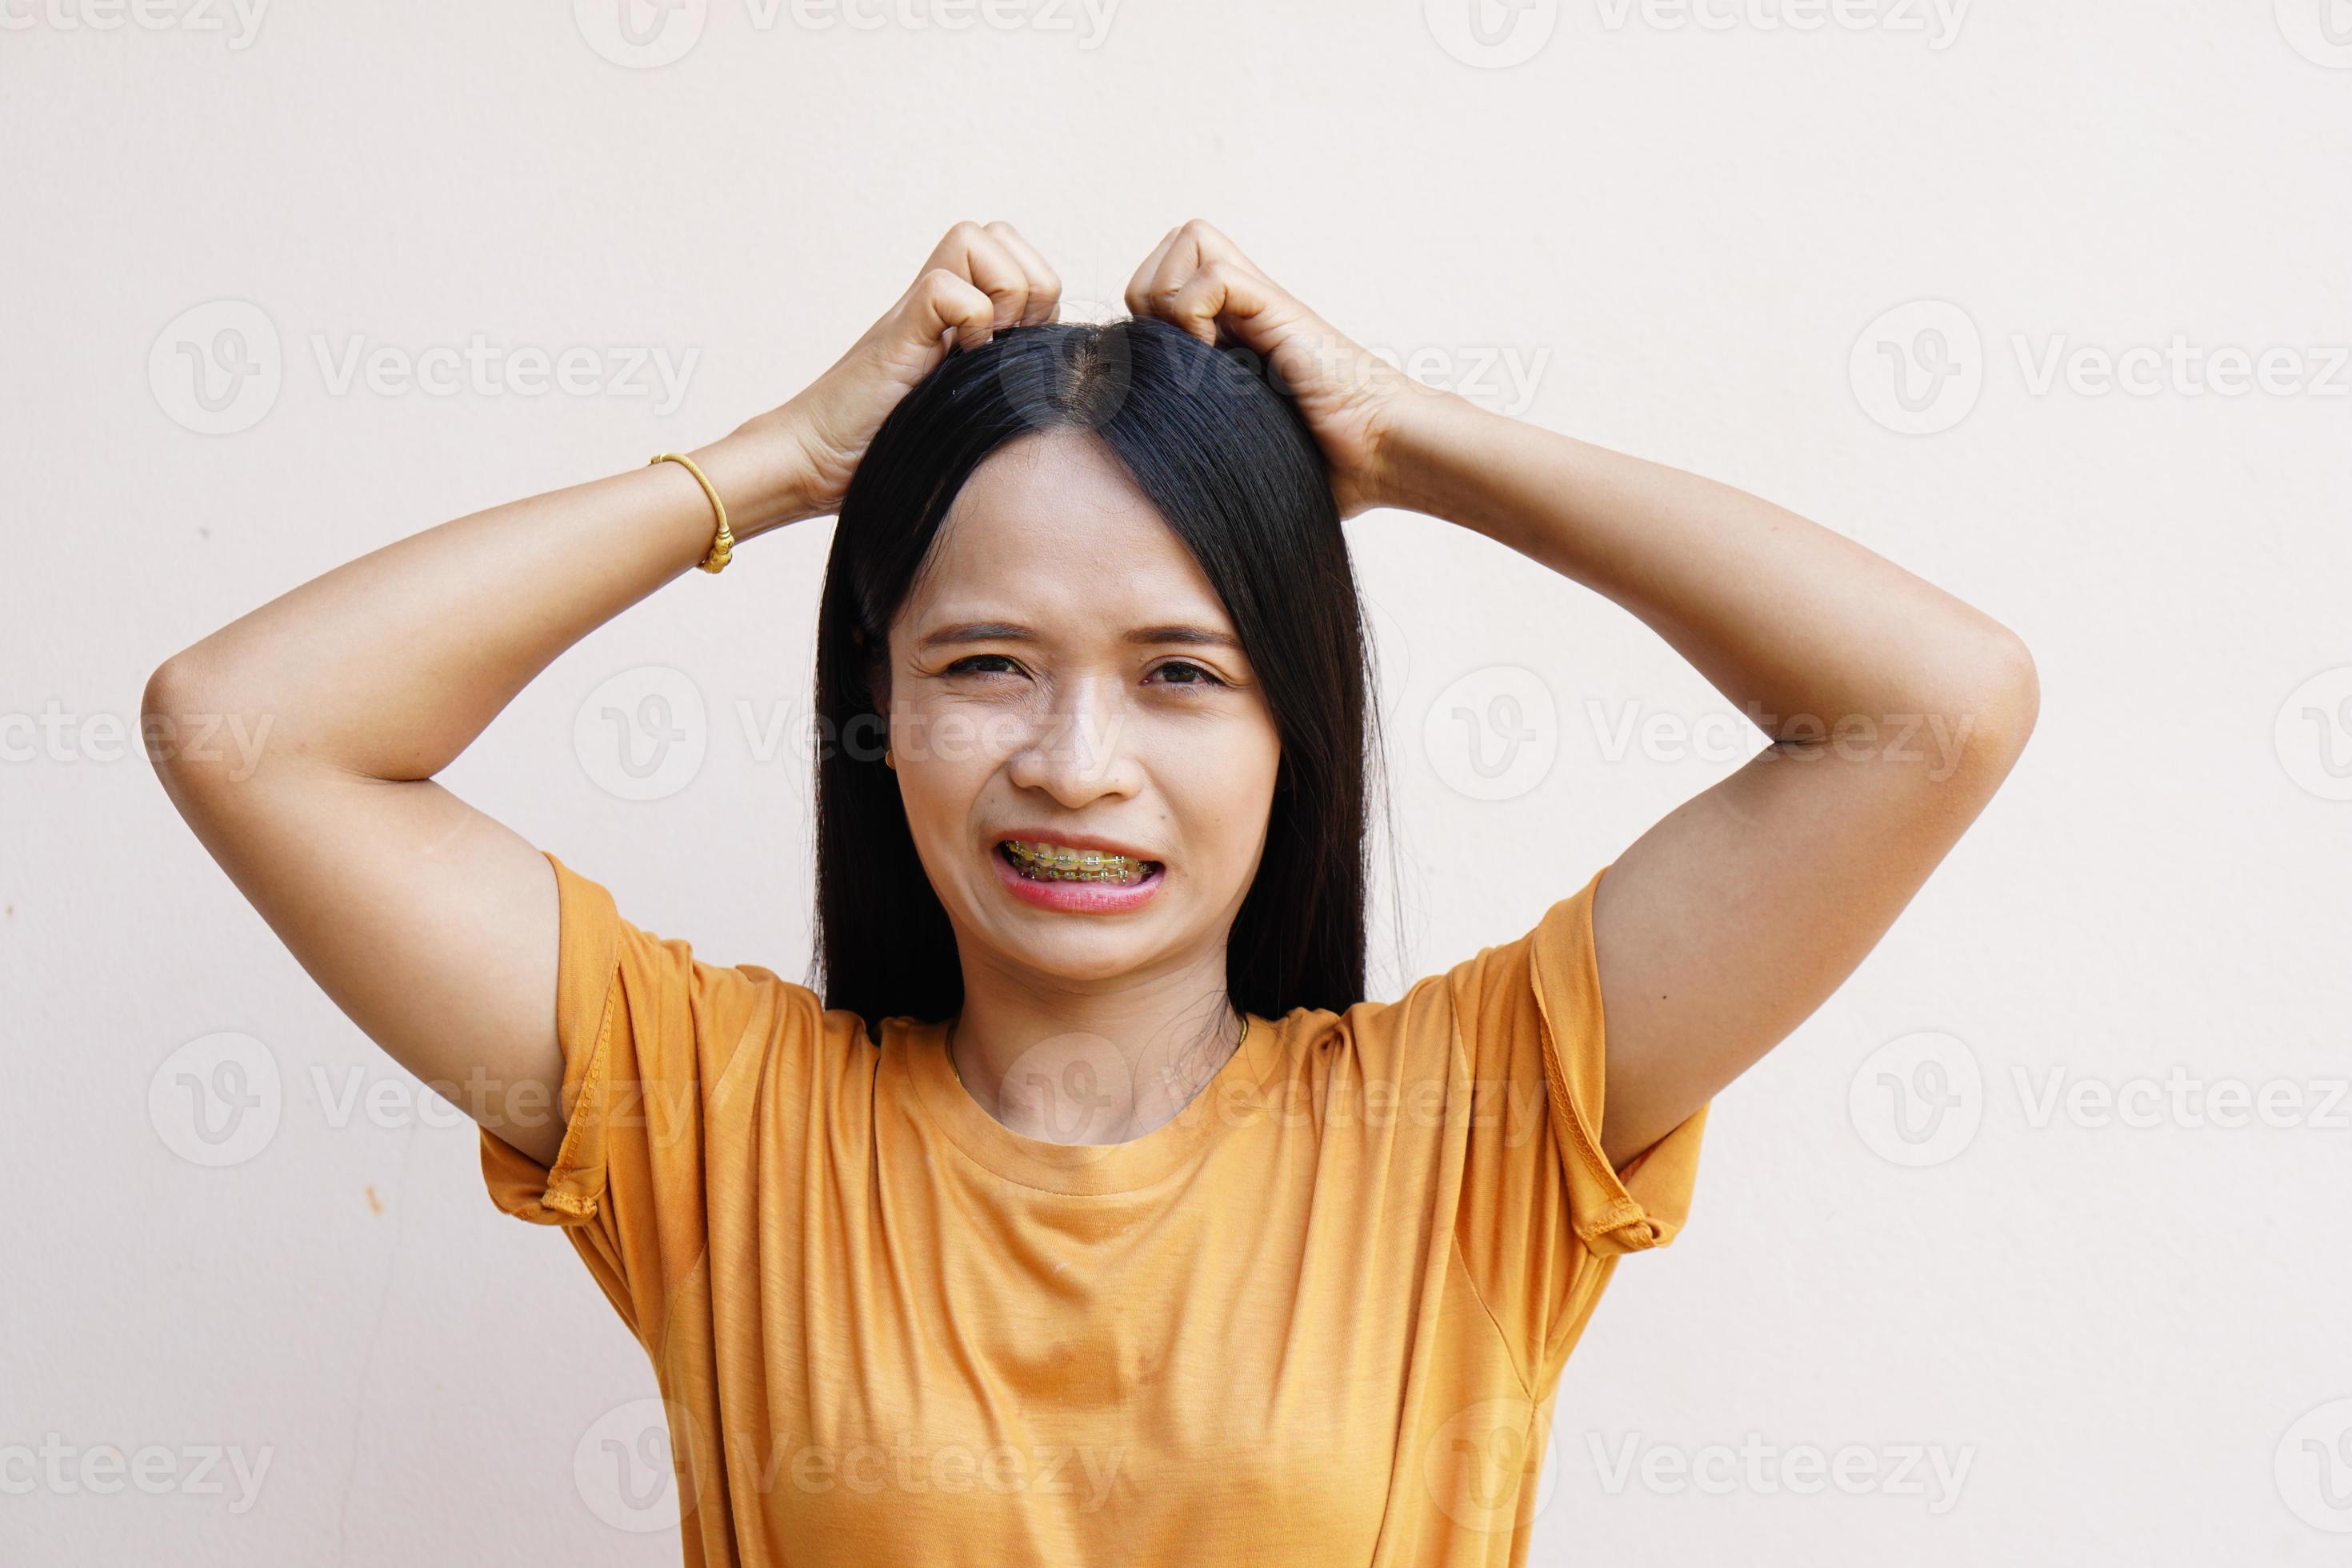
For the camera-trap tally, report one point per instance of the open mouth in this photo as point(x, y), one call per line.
point(1050, 863)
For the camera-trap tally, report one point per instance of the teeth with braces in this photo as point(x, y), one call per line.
point(1048, 865)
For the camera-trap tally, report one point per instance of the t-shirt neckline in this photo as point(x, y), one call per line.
point(1079, 1169)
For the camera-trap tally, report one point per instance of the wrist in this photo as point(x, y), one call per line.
point(760, 471)
point(1413, 459)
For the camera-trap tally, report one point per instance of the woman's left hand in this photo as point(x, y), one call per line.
point(1353, 400)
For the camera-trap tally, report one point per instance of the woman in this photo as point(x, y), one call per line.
point(1093, 1214)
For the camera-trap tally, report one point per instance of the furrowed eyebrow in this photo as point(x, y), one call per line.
point(1008, 631)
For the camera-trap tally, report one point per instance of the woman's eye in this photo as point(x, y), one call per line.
point(1180, 672)
point(1180, 665)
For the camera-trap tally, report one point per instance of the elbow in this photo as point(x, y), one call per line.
point(2016, 688)
point(2001, 701)
point(166, 708)
point(176, 687)
point(194, 734)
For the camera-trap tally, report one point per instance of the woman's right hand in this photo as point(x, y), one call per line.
point(979, 278)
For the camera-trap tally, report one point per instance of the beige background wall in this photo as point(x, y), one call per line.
point(1919, 1240)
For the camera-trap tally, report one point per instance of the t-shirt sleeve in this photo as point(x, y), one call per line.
point(1543, 1215)
point(648, 1032)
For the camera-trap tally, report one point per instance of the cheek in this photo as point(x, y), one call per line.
point(956, 740)
point(1219, 784)
point(943, 767)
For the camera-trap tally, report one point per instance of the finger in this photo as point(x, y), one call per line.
point(980, 257)
point(1191, 247)
point(1044, 284)
point(1219, 294)
point(1138, 288)
point(1209, 242)
point(944, 301)
point(1196, 305)
point(1177, 270)
point(1196, 248)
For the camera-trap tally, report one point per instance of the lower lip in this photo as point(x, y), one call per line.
point(1077, 897)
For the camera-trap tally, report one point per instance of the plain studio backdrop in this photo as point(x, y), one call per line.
point(2032, 1244)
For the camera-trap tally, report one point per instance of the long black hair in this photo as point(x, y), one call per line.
point(1232, 469)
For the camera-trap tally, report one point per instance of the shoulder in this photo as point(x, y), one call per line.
point(679, 1015)
point(1508, 991)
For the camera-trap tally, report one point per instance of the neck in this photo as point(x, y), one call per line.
point(1104, 1066)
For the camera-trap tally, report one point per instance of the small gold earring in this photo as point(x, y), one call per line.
point(887, 762)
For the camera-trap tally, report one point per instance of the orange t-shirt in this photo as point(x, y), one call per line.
point(1319, 1318)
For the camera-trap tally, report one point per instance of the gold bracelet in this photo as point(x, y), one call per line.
point(722, 548)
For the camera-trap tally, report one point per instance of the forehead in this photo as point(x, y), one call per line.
point(1051, 531)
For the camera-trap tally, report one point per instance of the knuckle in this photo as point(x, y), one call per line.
point(942, 285)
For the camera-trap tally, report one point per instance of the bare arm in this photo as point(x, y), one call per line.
point(1895, 710)
point(432, 926)
point(1724, 926)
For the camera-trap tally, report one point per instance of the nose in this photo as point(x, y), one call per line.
point(1081, 750)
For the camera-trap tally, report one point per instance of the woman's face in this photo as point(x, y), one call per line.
point(1063, 668)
